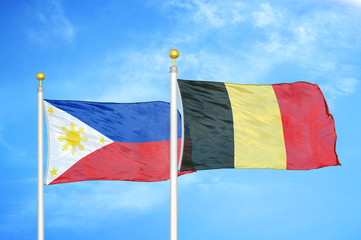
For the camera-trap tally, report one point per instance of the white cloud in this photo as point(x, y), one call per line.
point(305, 41)
point(132, 76)
point(347, 85)
point(283, 37)
point(215, 14)
point(338, 87)
point(268, 16)
point(218, 15)
point(53, 23)
point(353, 2)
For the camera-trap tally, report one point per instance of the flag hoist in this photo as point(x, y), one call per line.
point(173, 152)
point(40, 76)
point(173, 148)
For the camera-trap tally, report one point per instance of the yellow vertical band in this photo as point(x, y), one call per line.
point(257, 123)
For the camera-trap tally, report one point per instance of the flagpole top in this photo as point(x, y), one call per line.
point(173, 54)
point(40, 76)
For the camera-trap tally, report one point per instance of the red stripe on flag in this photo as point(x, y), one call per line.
point(142, 162)
point(308, 127)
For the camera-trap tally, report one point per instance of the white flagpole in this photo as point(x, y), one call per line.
point(173, 148)
point(40, 76)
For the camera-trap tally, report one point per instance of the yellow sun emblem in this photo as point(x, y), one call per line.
point(72, 138)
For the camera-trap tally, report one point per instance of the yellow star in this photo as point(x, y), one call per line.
point(53, 172)
point(50, 109)
point(102, 140)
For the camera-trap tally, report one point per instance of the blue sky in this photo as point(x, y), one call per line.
point(118, 51)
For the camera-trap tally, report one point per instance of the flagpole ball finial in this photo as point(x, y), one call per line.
point(174, 55)
point(40, 76)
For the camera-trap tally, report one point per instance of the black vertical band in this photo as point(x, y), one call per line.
point(208, 120)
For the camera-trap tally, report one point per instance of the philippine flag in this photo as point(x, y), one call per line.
point(108, 141)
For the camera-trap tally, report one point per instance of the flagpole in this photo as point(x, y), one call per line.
point(40, 76)
point(173, 148)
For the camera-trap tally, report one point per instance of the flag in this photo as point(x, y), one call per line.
point(108, 141)
point(281, 126)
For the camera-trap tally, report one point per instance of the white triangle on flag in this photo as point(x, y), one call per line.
point(69, 140)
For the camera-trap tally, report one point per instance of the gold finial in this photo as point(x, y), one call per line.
point(40, 76)
point(173, 54)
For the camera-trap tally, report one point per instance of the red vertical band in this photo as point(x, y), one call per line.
point(308, 127)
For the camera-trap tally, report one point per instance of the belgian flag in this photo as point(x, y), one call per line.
point(282, 126)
